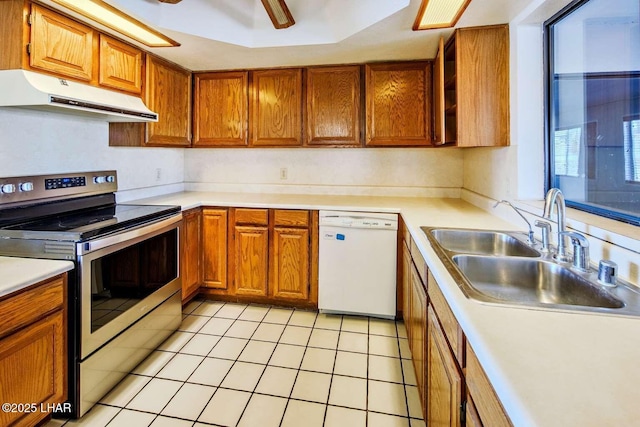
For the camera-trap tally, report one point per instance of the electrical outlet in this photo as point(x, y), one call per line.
point(158, 174)
point(283, 174)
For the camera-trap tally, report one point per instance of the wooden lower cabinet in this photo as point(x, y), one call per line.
point(445, 383)
point(191, 253)
point(251, 255)
point(489, 410)
point(289, 276)
point(418, 337)
point(471, 418)
point(33, 351)
point(260, 255)
point(214, 250)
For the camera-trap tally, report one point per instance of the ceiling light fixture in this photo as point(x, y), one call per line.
point(110, 17)
point(279, 13)
point(439, 13)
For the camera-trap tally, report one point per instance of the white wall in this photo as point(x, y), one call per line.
point(34, 143)
point(417, 172)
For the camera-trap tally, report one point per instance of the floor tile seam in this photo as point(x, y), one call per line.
point(234, 363)
point(324, 421)
point(404, 380)
point(141, 375)
point(149, 382)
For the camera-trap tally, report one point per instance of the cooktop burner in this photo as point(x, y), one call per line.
point(89, 223)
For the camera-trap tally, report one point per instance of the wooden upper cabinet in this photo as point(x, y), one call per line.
point(120, 65)
point(438, 96)
point(221, 109)
point(60, 45)
point(333, 106)
point(168, 92)
point(398, 104)
point(276, 107)
point(476, 82)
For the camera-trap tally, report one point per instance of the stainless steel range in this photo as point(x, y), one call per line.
point(124, 293)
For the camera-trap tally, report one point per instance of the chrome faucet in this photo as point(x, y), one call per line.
point(555, 197)
point(508, 203)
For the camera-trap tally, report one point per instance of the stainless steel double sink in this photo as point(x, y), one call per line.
point(500, 267)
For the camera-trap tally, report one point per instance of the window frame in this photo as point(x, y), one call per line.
point(549, 155)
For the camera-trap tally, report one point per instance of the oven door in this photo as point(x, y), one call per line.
point(123, 277)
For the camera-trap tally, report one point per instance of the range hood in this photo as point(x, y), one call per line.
point(22, 88)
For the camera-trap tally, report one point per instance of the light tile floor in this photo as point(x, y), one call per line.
point(250, 365)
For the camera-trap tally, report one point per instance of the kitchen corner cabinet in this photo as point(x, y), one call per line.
point(221, 109)
point(167, 91)
point(33, 350)
point(191, 253)
point(398, 104)
point(471, 88)
point(333, 106)
point(276, 108)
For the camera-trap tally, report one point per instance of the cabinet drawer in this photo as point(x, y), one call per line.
point(418, 260)
point(252, 216)
point(291, 218)
point(486, 402)
point(19, 310)
point(450, 325)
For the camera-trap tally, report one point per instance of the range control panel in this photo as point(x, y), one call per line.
point(29, 189)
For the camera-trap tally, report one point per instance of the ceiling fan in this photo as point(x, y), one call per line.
point(276, 9)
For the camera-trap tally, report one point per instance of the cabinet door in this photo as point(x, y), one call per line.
point(333, 106)
point(290, 263)
point(471, 419)
point(398, 104)
point(214, 245)
point(488, 406)
point(120, 65)
point(419, 334)
point(250, 260)
point(168, 93)
point(438, 96)
point(406, 290)
point(221, 109)
point(444, 386)
point(191, 252)
point(60, 45)
point(276, 108)
point(482, 73)
point(33, 369)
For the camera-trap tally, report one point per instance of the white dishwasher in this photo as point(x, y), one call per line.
point(357, 263)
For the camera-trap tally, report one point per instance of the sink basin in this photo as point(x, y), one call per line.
point(531, 282)
point(482, 242)
point(499, 267)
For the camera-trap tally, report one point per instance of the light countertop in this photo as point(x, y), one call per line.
point(548, 368)
point(18, 273)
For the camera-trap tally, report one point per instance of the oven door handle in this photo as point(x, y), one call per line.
point(144, 230)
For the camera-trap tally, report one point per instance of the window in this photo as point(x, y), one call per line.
point(593, 106)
